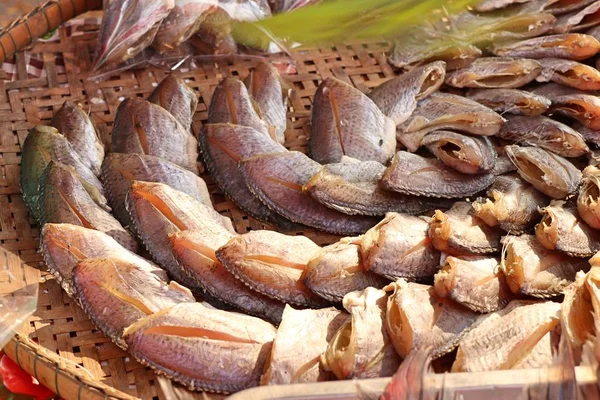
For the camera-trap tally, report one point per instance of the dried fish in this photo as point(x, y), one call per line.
point(495, 72)
point(558, 7)
point(581, 106)
point(577, 310)
point(183, 21)
point(579, 20)
point(503, 166)
point(588, 201)
point(175, 96)
point(466, 154)
point(569, 73)
point(214, 35)
point(511, 101)
point(590, 135)
point(572, 46)
point(345, 122)
point(492, 5)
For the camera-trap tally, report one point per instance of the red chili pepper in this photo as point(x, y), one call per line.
point(20, 382)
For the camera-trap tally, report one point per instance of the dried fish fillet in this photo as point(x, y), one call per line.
point(345, 122)
point(501, 340)
point(569, 73)
point(588, 200)
point(495, 72)
point(301, 339)
point(510, 101)
point(466, 154)
point(577, 311)
point(572, 46)
point(417, 318)
point(361, 348)
point(175, 96)
point(203, 348)
point(413, 174)
point(547, 172)
point(579, 20)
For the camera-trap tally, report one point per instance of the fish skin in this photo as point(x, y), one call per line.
point(511, 101)
point(581, 106)
point(175, 96)
point(447, 111)
point(77, 127)
point(397, 98)
point(569, 73)
point(588, 200)
point(466, 154)
point(398, 247)
point(435, 180)
point(503, 166)
point(268, 90)
point(543, 354)
point(145, 128)
point(63, 199)
point(577, 311)
point(195, 250)
point(579, 20)
point(500, 339)
point(558, 7)
point(345, 122)
point(417, 318)
point(492, 5)
point(277, 180)
point(338, 270)
point(495, 72)
point(241, 256)
point(512, 204)
point(361, 348)
point(590, 135)
point(222, 147)
point(533, 270)
point(301, 339)
point(115, 293)
point(549, 173)
point(459, 232)
point(238, 344)
point(119, 170)
point(572, 46)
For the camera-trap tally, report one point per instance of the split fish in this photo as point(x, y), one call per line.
point(581, 106)
point(512, 101)
point(579, 20)
point(466, 154)
point(588, 200)
point(569, 73)
point(572, 46)
point(175, 96)
point(495, 72)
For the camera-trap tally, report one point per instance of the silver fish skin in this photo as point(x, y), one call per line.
point(397, 98)
point(572, 46)
point(175, 96)
point(588, 200)
point(569, 73)
point(512, 101)
point(579, 20)
point(495, 72)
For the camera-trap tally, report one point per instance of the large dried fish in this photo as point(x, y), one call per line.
point(502, 339)
point(183, 21)
point(301, 339)
point(588, 201)
point(573, 46)
point(569, 73)
point(417, 318)
point(203, 348)
point(277, 180)
point(495, 72)
point(547, 172)
point(345, 122)
point(579, 20)
point(581, 106)
point(361, 348)
point(397, 98)
point(413, 174)
point(398, 247)
point(510, 101)
point(144, 128)
point(466, 154)
point(177, 98)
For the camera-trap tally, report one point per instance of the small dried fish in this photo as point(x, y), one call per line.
point(572, 46)
point(577, 310)
point(177, 98)
point(581, 106)
point(466, 154)
point(492, 5)
point(533, 270)
point(588, 201)
point(558, 7)
point(412, 174)
point(579, 20)
point(501, 340)
point(447, 111)
point(511, 101)
point(569, 73)
point(417, 318)
point(361, 348)
point(273, 264)
point(495, 72)
point(183, 21)
point(345, 122)
point(203, 348)
point(301, 339)
point(459, 232)
point(547, 172)
point(338, 270)
point(398, 247)
point(397, 98)
point(144, 128)
point(512, 204)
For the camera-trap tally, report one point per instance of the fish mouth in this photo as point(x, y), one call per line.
point(513, 268)
point(547, 230)
point(445, 280)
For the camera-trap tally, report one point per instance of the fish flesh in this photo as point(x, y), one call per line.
point(63, 199)
point(588, 200)
point(579, 20)
point(361, 348)
point(447, 111)
point(572, 46)
point(77, 127)
point(398, 247)
point(584, 107)
point(301, 339)
point(512, 204)
point(546, 133)
point(501, 340)
point(175, 96)
point(547, 172)
point(277, 180)
point(417, 318)
point(459, 231)
point(413, 174)
point(397, 98)
point(466, 154)
point(562, 229)
point(270, 92)
point(577, 311)
point(115, 293)
point(495, 72)
point(273, 264)
point(338, 270)
point(569, 73)
point(195, 251)
point(203, 348)
point(533, 270)
point(476, 282)
point(144, 128)
point(345, 122)
point(512, 101)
